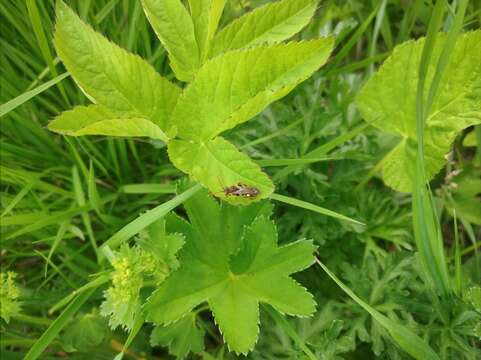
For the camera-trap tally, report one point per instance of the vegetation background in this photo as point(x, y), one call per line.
point(62, 197)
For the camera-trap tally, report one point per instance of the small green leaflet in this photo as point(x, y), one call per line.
point(217, 164)
point(271, 23)
point(231, 260)
point(109, 75)
point(236, 86)
point(206, 16)
point(181, 337)
point(388, 101)
point(174, 28)
point(98, 120)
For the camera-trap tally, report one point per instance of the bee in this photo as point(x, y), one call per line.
point(242, 190)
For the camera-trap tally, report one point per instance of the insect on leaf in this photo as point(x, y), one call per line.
point(267, 24)
point(111, 76)
point(388, 101)
point(174, 27)
point(258, 271)
point(236, 86)
point(218, 165)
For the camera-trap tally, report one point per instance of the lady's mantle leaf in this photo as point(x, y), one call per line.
point(234, 87)
point(230, 279)
point(267, 24)
point(181, 337)
point(174, 28)
point(217, 164)
point(85, 332)
point(388, 101)
point(109, 75)
point(98, 120)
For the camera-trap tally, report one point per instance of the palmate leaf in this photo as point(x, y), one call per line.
point(234, 87)
point(174, 27)
point(205, 15)
point(217, 164)
point(388, 101)
point(267, 24)
point(181, 337)
point(109, 75)
point(233, 273)
point(98, 120)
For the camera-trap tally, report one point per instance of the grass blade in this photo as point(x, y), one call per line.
point(290, 331)
point(26, 96)
point(146, 219)
point(405, 338)
point(312, 207)
point(34, 15)
point(54, 329)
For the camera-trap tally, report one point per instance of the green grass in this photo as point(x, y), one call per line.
point(394, 270)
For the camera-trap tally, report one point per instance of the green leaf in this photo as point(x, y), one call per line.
point(205, 15)
point(98, 120)
point(229, 279)
point(470, 139)
point(84, 332)
point(175, 29)
point(267, 24)
point(181, 337)
point(234, 87)
point(217, 164)
point(109, 75)
point(388, 101)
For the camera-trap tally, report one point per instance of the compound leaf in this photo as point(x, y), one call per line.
point(111, 76)
point(270, 23)
point(234, 292)
point(181, 337)
point(234, 87)
point(388, 101)
point(205, 15)
point(217, 164)
point(174, 28)
point(98, 120)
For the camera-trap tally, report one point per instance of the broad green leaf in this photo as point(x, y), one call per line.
point(388, 101)
point(84, 332)
point(217, 164)
point(98, 120)
point(234, 279)
point(181, 337)
point(234, 87)
point(174, 28)
point(270, 23)
point(205, 15)
point(109, 75)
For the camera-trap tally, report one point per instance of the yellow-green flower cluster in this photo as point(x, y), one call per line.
point(9, 294)
point(122, 297)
